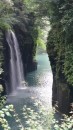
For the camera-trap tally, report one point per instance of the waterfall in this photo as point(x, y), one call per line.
point(16, 66)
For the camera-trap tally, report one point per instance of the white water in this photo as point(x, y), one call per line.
point(16, 66)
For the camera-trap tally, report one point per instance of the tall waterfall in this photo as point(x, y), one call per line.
point(16, 66)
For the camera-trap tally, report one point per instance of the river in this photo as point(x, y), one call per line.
point(39, 86)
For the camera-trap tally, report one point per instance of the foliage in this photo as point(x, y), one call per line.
point(66, 122)
point(60, 38)
point(1, 51)
point(40, 23)
point(4, 111)
point(7, 16)
point(30, 6)
point(38, 119)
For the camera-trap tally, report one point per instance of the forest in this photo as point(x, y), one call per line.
point(26, 25)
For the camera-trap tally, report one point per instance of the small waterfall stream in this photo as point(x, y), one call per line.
point(16, 66)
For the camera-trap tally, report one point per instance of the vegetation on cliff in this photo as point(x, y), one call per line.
point(59, 43)
point(60, 39)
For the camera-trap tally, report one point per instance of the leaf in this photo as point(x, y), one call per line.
point(2, 115)
point(7, 113)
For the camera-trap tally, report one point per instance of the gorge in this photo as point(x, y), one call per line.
point(24, 28)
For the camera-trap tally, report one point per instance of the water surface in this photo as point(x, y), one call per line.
point(39, 86)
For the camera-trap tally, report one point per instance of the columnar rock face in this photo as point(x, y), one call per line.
point(26, 43)
point(61, 95)
point(62, 91)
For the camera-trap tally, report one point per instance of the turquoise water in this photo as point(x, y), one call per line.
point(40, 77)
point(39, 87)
